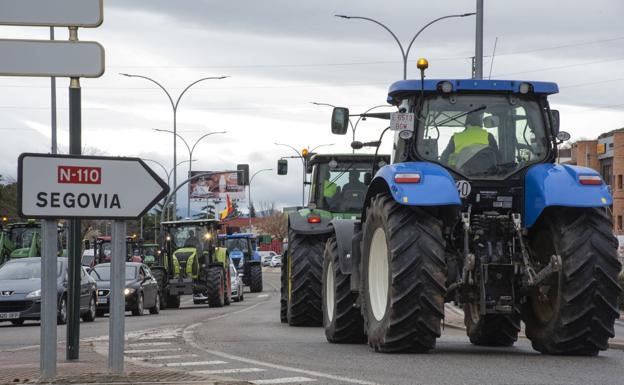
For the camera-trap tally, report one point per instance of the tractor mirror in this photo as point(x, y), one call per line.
point(554, 119)
point(340, 121)
point(282, 167)
point(563, 136)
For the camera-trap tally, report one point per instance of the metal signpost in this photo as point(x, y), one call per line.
point(47, 58)
point(74, 187)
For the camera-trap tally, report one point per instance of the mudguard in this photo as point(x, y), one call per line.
point(435, 188)
point(558, 185)
point(344, 230)
point(298, 222)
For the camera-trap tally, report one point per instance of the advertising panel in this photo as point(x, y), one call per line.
point(215, 185)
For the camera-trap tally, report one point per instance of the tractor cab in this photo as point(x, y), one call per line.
point(103, 251)
point(241, 249)
point(21, 240)
point(151, 253)
point(339, 181)
point(188, 242)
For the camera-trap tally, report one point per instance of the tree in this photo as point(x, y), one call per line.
point(274, 222)
point(8, 198)
point(252, 210)
point(207, 211)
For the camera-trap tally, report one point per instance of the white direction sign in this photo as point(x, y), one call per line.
point(51, 58)
point(65, 186)
point(54, 13)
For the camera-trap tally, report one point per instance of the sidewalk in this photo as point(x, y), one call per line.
point(454, 318)
point(21, 366)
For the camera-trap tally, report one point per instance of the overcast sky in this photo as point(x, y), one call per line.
point(281, 55)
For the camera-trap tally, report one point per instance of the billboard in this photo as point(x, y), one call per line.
point(215, 185)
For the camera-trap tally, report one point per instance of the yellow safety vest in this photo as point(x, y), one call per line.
point(329, 189)
point(469, 137)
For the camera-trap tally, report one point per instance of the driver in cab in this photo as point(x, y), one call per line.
point(468, 143)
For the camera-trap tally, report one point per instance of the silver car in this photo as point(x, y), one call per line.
point(237, 284)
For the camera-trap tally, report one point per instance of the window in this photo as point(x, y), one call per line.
point(619, 222)
point(619, 184)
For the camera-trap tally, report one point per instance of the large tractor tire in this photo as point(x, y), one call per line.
point(173, 301)
point(284, 289)
point(491, 329)
point(343, 321)
point(305, 276)
point(215, 287)
point(573, 312)
point(255, 286)
point(403, 277)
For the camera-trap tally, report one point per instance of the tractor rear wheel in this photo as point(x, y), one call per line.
point(173, 302)
point(403, 277)
point(491, 329)
point(573, 312)
point(215, 286)
point(342, 320)
point(305, 276)
point(255, 286)
point(284, 289)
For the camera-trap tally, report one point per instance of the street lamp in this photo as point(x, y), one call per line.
point(250, 201)
point(174, 106)
point(360, 118)
point(304, 162)
point(405, 53)
point(190, 150)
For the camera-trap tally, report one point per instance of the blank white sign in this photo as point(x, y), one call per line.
point(83, 59)
point(56, 13)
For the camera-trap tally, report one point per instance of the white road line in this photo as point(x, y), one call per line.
point(150, 350)
point(228, 371)
point(263, 295)
point(285, 380)
point(193, 363)
point(146, 344)
point(158, 337)
point(188, 337)
point(173, 357)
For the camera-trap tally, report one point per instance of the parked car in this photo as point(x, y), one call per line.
point(141, 289)
point(237, 284)
point(266, 256)
point(276, 261)
point(20, 291)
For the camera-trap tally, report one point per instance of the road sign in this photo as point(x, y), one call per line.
point(53, 13)
point(66, 186)
point(51, 58)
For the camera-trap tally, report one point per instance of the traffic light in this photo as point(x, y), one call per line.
point(243, 175)
point(282, 167)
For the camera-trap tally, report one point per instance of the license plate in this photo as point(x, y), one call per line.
point(103, 300)
point(9, 315)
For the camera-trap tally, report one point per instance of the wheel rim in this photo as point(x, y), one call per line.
point(92, 307)
point(63, 309)
point(329, 292)
point(140, 304)
point(157, 302)
point(378, 274)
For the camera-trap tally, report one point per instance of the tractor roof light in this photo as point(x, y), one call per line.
point(445, 87)
point(590, 180)
point(305, 152)
point(525, 88)
point(422, 64)
point(314, 218)
point(407, 178)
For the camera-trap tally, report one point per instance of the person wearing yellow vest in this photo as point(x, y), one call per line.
point(330, 189)
point(473, 135)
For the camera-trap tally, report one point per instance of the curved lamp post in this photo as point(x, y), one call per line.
point(250, 201)
point(404, 53)
point(174, 106)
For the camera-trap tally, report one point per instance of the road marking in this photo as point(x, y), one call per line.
point(285, 380)
point(146, 344)
point(228, 371)
point(193, 363)
point(157, 337)
point(173, 357)
point(263, 295)
point(150, 350)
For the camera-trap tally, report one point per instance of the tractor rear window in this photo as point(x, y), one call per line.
point(340, 187)
point(482, 136)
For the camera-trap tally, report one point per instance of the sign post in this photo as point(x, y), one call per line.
point(117, 299)
point(49, 274)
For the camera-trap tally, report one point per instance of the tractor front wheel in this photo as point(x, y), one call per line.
point(215, 287)
point(573, 312)
point(403, 277)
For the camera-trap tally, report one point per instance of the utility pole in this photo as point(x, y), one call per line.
point(479, 42)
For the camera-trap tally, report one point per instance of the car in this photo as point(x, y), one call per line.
point(266, 256)
point(20, 291)
point(141, 289)
point(237, 284)
point(276, 261)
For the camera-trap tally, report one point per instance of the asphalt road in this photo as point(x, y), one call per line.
point(246, 342)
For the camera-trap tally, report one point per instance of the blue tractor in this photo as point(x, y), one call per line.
point(474, 209)
point(241, 249)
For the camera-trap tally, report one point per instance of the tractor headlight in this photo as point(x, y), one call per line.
point(128, 291)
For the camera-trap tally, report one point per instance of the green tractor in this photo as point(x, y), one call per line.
point(23, 240)
point(337, 191)
point(193, 264)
